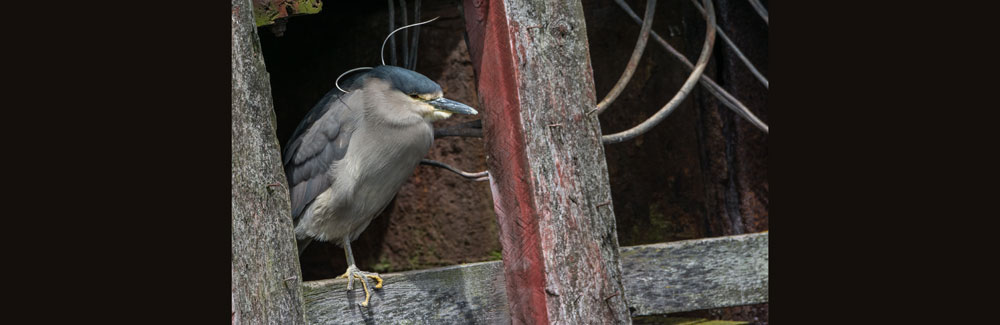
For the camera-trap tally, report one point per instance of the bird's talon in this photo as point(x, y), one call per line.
point(376, 278)
point(353, 273)
point(368, 294)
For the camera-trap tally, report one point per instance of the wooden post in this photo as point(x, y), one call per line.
point(266, 279)
point(546, 161)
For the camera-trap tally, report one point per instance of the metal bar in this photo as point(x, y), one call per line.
point(732, 45)
point(760, 10)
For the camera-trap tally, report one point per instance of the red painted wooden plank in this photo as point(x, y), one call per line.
point(513, 201)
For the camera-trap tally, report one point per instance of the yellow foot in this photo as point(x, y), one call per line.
point(353, 273)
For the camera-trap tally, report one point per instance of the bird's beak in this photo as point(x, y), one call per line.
point(445, 104)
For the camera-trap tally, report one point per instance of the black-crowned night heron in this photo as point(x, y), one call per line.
point(353, 151)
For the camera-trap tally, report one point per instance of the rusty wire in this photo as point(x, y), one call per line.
point(633, 62)
point(706, 53)
point(732, 45)
point(760, 10)
point(721, 94)
point(480, 176)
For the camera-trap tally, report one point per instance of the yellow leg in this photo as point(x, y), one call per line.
point(353, 273)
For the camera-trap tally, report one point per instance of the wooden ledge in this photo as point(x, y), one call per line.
point(659, 279)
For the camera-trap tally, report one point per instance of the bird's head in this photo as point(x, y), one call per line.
point(404, 91)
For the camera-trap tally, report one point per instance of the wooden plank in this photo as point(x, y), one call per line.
point(547, 166)
point(659, 278)
point(696, 274)
point(265, 267)
point(468, 293)
point(489, 48)
point(662, 320)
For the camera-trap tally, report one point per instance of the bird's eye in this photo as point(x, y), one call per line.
point(415, 96)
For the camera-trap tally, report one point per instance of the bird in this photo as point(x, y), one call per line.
point(353, 151)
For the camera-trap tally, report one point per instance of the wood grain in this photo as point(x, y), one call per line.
point(659, 278)
point(696, 274)
point(266, 279)
point(546, 161)
point(464, 294)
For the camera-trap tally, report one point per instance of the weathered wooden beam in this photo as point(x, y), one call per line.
point(265, 267)
point(547, 166)
point(659, 279)
point(696, 274)
point(665, 320)
point(467, 294)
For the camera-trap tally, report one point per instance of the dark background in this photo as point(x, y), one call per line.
point(701, 173)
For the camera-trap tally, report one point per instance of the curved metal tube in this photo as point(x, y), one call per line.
point(633, 62)
point(706, 53)
point(721, 94)
point(480, 176)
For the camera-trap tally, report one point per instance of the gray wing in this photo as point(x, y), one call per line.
point(319, 140)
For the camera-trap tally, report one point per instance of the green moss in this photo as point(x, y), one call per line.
point(265, 14)
point(495, 256)
point(414, 262)
point(657, 219)
point(307, 6)
point(383, 266)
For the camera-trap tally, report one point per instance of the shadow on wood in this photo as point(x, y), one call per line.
point(468, 294)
